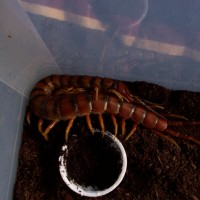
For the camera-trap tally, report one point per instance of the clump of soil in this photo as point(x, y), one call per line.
point(92, 161)
point(156, 169)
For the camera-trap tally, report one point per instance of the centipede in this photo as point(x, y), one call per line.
point(64, 98)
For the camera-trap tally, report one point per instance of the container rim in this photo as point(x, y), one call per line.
point(90, 191)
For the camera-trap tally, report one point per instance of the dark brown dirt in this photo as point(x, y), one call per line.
point(157, 169)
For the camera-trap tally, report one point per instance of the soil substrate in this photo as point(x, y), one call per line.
point(157, 169)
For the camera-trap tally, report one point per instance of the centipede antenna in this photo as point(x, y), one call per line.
point(40, 123)
point(89, 123)
point(49, 127)
point(115, 124)
point(153, 105)
point(123, 124)
point(69, 126)
point(101, 124)
point(28, 118)
point(131, 132)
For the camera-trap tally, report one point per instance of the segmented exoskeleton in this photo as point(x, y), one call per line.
point(62, 97)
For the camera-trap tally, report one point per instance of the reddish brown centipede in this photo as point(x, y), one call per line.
point(64, 97)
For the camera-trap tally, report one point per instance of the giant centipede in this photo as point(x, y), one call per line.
point(63, 98)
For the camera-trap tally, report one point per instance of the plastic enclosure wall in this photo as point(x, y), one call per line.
point(162, 47)
point(22, 54)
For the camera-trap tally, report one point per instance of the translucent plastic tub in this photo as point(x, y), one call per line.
point(23, 60)
point(155, 41)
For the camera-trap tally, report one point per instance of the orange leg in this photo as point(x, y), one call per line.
point(101, 124)
point(70, 124)
point(28, 118)
point(49, 127)
point(89, 123)
point(123, 124)
point(160, 134)
point(40, 123)
point(115, 124)
point(131, 132)
point(97, 93)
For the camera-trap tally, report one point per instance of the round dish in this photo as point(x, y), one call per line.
point(91, 191)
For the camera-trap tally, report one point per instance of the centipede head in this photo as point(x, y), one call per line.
point(123, 90)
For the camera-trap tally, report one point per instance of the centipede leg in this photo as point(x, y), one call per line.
point(131, 132)
point(97, 93)
point(160, 134)
point(69, 126)
point(185, 137)
point(40, 123)
point(28, 118)
point(115, 124)
point(49, 127)
point(89, 123)
point(101, 124)
point(123, 124)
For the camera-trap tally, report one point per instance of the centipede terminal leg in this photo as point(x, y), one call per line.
point(185, 137)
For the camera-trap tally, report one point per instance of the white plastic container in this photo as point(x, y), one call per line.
point(91, 191)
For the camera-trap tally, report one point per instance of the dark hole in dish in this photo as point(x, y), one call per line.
point(96, 161)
